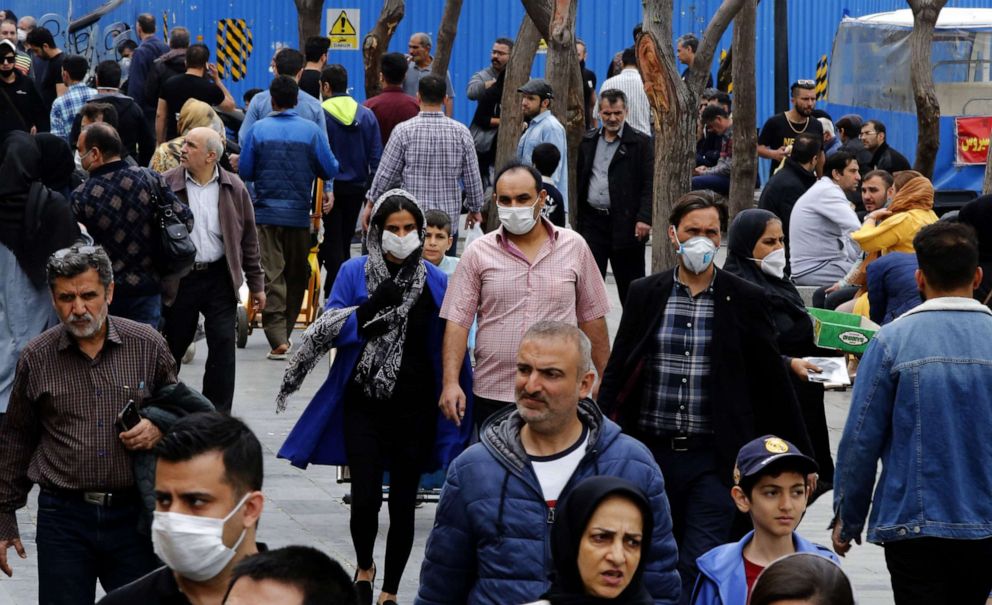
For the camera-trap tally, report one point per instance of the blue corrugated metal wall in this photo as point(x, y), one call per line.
point(605, 25)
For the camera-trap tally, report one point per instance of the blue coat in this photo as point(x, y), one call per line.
point(491, 539)
point(892, 286)
point(318, 437)
point(283, 154)
point(721, 578)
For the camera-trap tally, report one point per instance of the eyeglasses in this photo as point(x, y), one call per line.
point(9, 59)
point(868, 133)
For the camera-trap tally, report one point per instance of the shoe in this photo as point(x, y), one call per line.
point(389, 602)
point(279, 353)
point(363, 588)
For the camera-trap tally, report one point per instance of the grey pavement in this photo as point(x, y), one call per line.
point(306, 507)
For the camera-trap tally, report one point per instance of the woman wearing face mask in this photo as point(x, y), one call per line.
point(756, 253)
point(377, 410)
point(600, 534)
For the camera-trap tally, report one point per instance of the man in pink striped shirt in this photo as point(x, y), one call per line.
point(526, 271)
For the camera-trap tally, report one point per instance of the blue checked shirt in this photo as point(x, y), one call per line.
point(65, 108)
point(679, 364)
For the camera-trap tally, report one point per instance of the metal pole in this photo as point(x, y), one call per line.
point(781, 56)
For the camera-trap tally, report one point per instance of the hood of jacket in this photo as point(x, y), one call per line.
point(342, 108)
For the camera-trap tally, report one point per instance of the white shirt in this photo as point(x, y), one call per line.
point(553, 472)
point(203, 202)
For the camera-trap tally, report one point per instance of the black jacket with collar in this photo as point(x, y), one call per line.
point(888, 159)
point(749, 387)
point(631, 177)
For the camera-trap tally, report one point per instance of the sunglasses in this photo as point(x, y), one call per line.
point(9, 59)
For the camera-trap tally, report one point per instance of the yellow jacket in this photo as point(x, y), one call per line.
point(895, 233)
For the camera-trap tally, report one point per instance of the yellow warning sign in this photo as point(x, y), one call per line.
point(342, 27)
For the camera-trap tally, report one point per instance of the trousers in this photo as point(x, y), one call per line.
point(284, 253)
point(940, 571)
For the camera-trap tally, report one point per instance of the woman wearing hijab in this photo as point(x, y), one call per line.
point(377, 410)
point(601, 532)
point(34, 222)
point(756, 253)
point(194, 114)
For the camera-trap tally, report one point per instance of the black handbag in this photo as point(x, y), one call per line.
point(176, 251)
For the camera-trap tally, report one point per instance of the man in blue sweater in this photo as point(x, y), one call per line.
point(283, 154)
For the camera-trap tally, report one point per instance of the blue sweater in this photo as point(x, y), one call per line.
point(283, 154)
point(892, 286)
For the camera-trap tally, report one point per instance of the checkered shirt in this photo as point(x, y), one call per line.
point(510, 294)
point(679, 364)
point(432, 157)
point(65, 108)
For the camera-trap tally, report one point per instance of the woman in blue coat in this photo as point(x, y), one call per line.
point(377, 410)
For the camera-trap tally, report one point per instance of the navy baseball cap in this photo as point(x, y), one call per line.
point(756, 455)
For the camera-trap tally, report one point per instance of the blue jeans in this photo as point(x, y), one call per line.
point(713, 182)
point(144, 309)
point(80, 543)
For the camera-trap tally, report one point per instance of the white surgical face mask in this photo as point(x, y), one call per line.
point(193, 546)
point(22, 35)
point(518, 220)
point(400, 247)
point(774, 263)
point(697, 253)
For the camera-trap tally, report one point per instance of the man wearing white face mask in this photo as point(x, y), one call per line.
point(208, 482)
point(695, 374)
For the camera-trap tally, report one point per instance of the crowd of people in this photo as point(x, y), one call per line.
point(672, 463)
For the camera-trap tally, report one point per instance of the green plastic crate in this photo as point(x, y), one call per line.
point(842, 331)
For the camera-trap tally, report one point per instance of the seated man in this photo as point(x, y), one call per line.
point(717, 177)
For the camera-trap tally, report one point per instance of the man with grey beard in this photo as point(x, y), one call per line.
point(63, 431)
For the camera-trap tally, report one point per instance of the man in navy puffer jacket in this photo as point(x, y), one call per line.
point(490, 542)
point(283, 154)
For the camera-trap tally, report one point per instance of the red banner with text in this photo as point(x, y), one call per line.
point(972, 137)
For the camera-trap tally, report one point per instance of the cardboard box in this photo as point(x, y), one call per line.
point(842, 331)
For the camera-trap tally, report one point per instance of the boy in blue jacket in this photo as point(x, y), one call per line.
point(770, 484)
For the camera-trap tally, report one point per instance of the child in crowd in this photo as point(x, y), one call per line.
point(770, 484)
point(439, 240)
point(545, 158)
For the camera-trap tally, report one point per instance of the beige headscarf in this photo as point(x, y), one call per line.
point(194, 114)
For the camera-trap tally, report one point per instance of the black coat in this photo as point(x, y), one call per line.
point(783, 189)
point(136, 134)
point(749, 389)
point(631, 177)
point(888, 159)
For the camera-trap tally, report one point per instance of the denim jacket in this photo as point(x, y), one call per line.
point(922, 405)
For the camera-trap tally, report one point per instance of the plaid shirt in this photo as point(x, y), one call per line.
point(65, 108)
point(679, 365)
point(510, 294)
point(60, 427)
point(431, 156)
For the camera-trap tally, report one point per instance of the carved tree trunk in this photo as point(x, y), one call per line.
point(446, 37)
point(377, 42)
point(675, 110)
point(511, 119)
point(921, 75)
point(745, 164)
point(308, 19)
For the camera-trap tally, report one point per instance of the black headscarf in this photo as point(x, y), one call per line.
point(787, 308)
point(59, 164)
point(573, 517)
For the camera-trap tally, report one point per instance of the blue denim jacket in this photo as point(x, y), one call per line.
point(923, 405)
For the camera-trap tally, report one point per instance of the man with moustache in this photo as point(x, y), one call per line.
point(780, 130)
point(542, 127)
point(62, 432)
point(486, 87)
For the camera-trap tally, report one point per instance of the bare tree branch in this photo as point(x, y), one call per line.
point(925, 14)
point(446, 37)
point(377, 41)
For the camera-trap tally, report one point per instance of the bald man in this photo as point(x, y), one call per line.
point(419, 65)
point(226, 256)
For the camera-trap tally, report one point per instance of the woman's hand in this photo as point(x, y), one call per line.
point(801, 368)
point(879, 215)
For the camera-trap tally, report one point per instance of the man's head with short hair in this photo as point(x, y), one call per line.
point(74, 69)
point(431, 90)
point(716, 118)
point(315, 49)
point(536, 96)
point(628, 58)
point(520, 185)
point(698, 200)
point(334, 80)
point(284, 91)
point(720, 98)
point(872, 134)
point(546, 158)
point(393, 68)
point(81, 279)
point(8, 31)
point(250, 94)
point(94, 112)
point(612, 110)
point(146, 23)
point(292, 575)
point(197, 56)
point(98, 144)
point(580, 49)
point(289, 62)
point(848, 127)
point(947, 254)
point(500, 53)
point(828, 129)
point(806, 148)
point(179, 38)
point(803, 97)
point(419, 48)
point(686, 47)
point(108, 74)
point(437, 236)
point(842, 167)
point(27, 23)
point(42, 42)
point(201, 150)
point(876, 189)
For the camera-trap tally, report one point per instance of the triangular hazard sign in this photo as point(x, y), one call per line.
point(342, 26)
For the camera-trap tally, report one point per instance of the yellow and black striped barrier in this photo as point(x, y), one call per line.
point(234, 46)
point(821, 78)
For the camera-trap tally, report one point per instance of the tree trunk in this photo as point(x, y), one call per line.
point(745, 138)
point(781, 77)
point(446, 37)
point(377, 42)
point(510, 117)
point(308, 19)
point(675, 110)
point(987, 184)
point(921, 75)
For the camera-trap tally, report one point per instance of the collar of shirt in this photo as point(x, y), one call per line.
point(540, 117)
point(191, 181)
point(77, 86)
point(108, 168)
point(432, 114)
point(66, 340)
point(679, 284)
point(504, 240)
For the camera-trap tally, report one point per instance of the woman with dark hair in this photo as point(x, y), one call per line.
point(598, 542)
point(756, 253)
point(377, 410)
point(802, 578)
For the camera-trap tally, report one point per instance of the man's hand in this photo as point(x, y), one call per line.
point(452, 403)
point(4, 545)
point(328, 204)
point(841, 546)
point(879, 215)
point(472, 219)
point(779, 154)
point(233, 158)
point(833, 288)
point(801, 368)
point(143, 436)
point(698, 170)
point(367, 216)
point(642, 230)
point(258, 298)
point(489, 83)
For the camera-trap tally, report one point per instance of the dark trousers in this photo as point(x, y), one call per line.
point(938, 571)
point(483, 408)
point(702, 510)
point(627, 261)
point(822, 300)
point(339, 229)
point(714, 182)
point(397, 435)
point(144, 309)
point(211, 293)
point(284, 252)
point(80, 543)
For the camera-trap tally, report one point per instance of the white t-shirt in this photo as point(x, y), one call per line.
point(554, 471)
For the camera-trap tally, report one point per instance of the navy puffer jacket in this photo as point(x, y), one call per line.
point(491, 539)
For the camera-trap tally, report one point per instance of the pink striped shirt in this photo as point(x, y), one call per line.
point(495, 281)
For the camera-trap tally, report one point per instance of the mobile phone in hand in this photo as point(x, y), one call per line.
point(128, 418)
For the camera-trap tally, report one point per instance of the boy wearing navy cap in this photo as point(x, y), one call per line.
point(770, 484)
